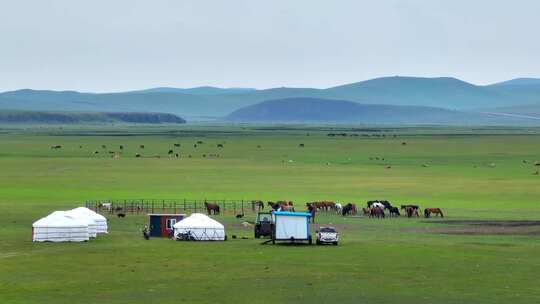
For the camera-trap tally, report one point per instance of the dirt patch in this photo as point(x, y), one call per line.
point(482, 227)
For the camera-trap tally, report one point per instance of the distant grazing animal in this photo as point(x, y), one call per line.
point(121, 147)
point(349, 209)
point(312, 210)
point(429, 211)
point(403, 143)
point(211, 208)
point(273, 205)
point(377, 212)
point(171, 152)
point(199, 142)
point(121, 215)
point(141, 146)
point(137, 155)
point(220, 145)
point(366, 211)
point(301, 145)
point(103, 147)
point(106, 206)
point(240, 215)
point(56, 147)
point(411, 212)
point(195, 146)
point(338, 207)
point(259, 204)
point(393, 211)
point(177, 145)
point(385, 204)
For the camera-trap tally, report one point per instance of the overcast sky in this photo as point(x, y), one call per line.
point(115, 45)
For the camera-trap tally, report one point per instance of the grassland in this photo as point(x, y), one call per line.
point(471, 174)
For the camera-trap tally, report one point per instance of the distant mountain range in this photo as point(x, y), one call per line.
point(315, 110)
point(210, 102)
point(39, 117)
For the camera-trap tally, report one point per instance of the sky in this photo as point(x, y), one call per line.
point(104, 45)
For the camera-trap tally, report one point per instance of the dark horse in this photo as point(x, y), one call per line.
point(394, 211)
point(348, 209)
point(259, 204)
point(429, 211)
point(411, 211)
point(211, 208)
point(385, 203)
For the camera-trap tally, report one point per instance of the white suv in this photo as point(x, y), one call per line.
point(327, 235)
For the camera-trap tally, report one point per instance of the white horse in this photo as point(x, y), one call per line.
point(339, 208)
point(378, 205)
point(106, 206)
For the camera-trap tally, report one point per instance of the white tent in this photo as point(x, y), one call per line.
point(199, 227)
point(92, 229)
point(100, 220)
point(59, 228)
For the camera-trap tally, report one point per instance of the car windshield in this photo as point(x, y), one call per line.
point(328, 229)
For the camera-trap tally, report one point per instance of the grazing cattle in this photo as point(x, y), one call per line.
point(377, 212)
point(56, 147)
point(211, 208)
point(96, 152)
point(220, 145)
point(177, 145)
point(141, 146)
point(393, 211)
point(121, 215)
point(176, 155)
point(429, 211)
point(403, 207)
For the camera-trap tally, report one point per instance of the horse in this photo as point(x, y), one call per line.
point(274, 206)
point(349, 209)
point(366, 211)
point(411, 211)
point(394, 211)
point(211, 208)
point(429, 211)
point(338, 208)
point(106, 206)
point(377, 212)
point(404, 207)
point(259, 204)
point(380, 203)
point(312, 210)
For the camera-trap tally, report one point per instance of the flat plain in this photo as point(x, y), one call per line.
point(485, 250)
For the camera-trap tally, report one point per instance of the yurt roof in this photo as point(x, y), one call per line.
point(56, 219)
point(87, 212)
point(198, 220)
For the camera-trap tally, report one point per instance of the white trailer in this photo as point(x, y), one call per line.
point(291, 226)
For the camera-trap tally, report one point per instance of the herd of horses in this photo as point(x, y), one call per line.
point(373, 209)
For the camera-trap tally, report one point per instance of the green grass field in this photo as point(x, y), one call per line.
point(471, 174)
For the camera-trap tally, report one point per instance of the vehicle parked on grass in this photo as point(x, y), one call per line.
point(327, 235)
point(263, 225)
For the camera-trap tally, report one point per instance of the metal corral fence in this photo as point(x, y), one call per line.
point(144, 206)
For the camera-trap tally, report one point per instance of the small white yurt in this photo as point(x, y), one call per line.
point(100, 220)
point(92, 229)
point(59, 228)
point(199, 227)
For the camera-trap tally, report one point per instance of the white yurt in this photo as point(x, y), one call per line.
point(59, 228)
point(199, 227)
point(92, 228)
point(100, 220)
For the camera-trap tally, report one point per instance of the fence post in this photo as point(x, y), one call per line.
point(184, 205)
point(242, 206)
point(152, 206)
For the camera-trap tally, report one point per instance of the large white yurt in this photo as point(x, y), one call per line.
point(199, 227)
point(92, 228)
point(100, 220)
point(59, 228)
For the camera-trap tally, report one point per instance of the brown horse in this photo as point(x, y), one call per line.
point(211, 208)
point(411, 211)
point(366, 211)
point(377, 212)
point(429, 211)
point(312, 210)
